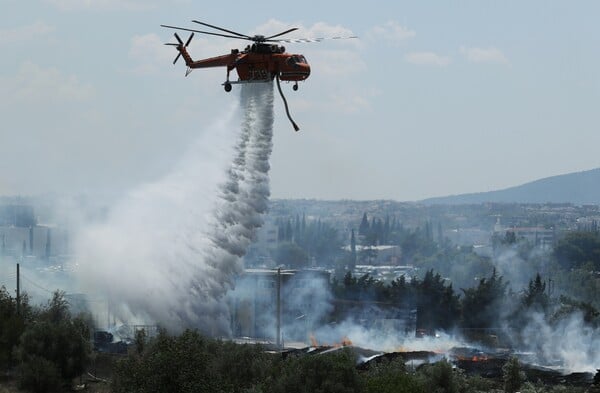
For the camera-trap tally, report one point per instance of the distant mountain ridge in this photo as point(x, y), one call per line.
point(577, 188)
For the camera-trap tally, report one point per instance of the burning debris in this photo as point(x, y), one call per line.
point(471, 360)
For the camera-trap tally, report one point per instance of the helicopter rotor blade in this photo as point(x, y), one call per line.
point(306, 40)
point(189, 40)
point(177, 58)
point(222, 29)
point(282, 33)
point(206, 32)
point(178, 39)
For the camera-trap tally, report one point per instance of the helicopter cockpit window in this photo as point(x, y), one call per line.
point(296, 59)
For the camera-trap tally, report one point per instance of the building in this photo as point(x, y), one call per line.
point(42, 242)
point(378, 255)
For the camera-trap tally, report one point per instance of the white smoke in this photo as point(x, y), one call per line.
point(384, 339)
point(569, 343)
point(169, 251)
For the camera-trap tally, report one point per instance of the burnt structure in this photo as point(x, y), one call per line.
point(279, 305)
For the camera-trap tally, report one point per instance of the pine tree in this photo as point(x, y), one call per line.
point(535, 295)
point(288, 231)
point(31, 240)
point(364, 227)
point(48, 244)
point(353, 249)
point(386, 230)
point(303, 223)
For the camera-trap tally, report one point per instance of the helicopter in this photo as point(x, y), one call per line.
point(261, 61)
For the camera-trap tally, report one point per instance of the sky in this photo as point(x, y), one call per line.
point(432, 99)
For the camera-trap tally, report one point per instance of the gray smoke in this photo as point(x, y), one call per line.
point(170, 250)
point(568, 343)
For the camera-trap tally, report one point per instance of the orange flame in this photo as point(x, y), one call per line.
point(343, 343)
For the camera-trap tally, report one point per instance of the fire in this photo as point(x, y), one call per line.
point(345, 342)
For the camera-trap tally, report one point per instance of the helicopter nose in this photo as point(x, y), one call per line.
point(305, 70)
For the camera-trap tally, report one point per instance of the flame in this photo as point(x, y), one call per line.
point(343, 343)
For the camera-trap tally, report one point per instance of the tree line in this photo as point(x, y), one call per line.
point(44, 347)
point(191, 362)
point(489, 305)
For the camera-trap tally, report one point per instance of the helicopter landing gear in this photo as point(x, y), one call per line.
point(295, 87)
point(227, 84)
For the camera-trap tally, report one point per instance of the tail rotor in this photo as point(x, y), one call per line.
point(179, 45)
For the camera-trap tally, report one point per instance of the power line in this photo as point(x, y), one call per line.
point(35, 284)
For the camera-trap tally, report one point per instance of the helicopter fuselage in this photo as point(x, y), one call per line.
point(258, 62)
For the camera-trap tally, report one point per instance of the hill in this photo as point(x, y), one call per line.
point(577, 188)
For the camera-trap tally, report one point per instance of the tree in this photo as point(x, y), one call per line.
point(292, 255)
point(31, 240)
point(48, 245)
point(289, 235)
point(391, 377)
point(440, 377)
point(577, 249)
point(480, 305)
point(353, 249)
point(140, 341)
point(364, 227)
point(327, 373)
point(192, 363)
point(535, 296)
point(509, 238)
point(512, 375)
point(437, 304)
point(12, 325)
point(56, 338)
point(39, 375)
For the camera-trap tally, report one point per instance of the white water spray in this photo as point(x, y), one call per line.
point(170, 250)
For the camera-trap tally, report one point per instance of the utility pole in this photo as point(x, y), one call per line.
point(279, 307)
point(18, 289)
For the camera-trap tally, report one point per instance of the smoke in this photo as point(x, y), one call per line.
point(568, 343)
point(169, 251)
point(561, 340)
point(385, 338)
point(516, 268)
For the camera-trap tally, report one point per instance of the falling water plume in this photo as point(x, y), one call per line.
point(170, 250)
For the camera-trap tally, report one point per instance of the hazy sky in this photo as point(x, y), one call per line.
point(433, 99)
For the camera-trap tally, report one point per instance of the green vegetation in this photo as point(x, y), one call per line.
point(192, 363)
point(512, 375)
point(579, 249)
point(45, 346)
